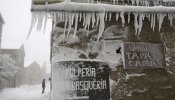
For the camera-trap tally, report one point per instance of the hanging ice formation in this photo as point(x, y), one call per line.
point(91, 19)
point(98, 19)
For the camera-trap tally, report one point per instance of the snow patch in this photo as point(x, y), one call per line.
point(26, 93)
point(133, 75)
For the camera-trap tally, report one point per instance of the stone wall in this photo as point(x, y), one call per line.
point(130, 84)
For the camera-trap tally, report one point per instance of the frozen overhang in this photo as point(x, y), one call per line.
point(96, 13)
point(84, 7)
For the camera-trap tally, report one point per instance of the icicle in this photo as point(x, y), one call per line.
point(54, 20)
point(106, 17)
point(65, 25)
point(122, 18)
point(45, 21)
point(136, 22)
point(170, 17)
point(32, 24)
point(63, 18)
point(80, 17)
point(114, 2)
point(73, 16)
point(133, 2)
point(148, 16)
point(70, 23)
point(92, 1)
point(60, 16)
point(40, 21)
point(141, 16)
point(117, 15)
point(84, 18)
point(153, 21)
point(146, 3)
point(98, 17)
point(93, 19)
point(102, 24)
point(87, 21)
point(137, 2)
point(160, 18)
point(109, 16)
point(76, 24)
point(128, 17)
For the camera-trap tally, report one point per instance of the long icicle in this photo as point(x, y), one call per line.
point(122, 18)
point(76, 24)
point(136, 22)
point(102, 24)
point(65, 25)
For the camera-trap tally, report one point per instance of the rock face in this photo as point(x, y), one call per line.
point(150, 84)
point(126, 84)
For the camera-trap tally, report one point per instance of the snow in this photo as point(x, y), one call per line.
point(133, 75)
point(32, 92)
point(84, 7)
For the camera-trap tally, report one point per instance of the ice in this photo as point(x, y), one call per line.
point(110, 16)
point(123, 18)
point(76, 24)
point(84, 19)
point(94, 7)
point(170, 17)
point(128, 17)
point(87, 21)
point(153, 21)
point(160, 19)
point(91, 16)
point(141, 16)
point(117, 15)
point(102, 24)
point(80, 15)
point(90, 19)
point(114, 2)
point(45, 22)
point(97, 19)
point(70, 23)
point(32, 24)
point(136, 23)
point(106, 16)
point(93, 20)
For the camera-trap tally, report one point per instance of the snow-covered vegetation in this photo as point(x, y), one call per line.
point(7, 70)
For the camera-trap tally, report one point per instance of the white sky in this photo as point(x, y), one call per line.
point(17, 16)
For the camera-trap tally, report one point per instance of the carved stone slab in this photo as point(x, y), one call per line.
point(80, 80)
point(143, 55)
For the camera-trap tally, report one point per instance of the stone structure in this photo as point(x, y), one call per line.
point(17, 54)
point(32, 74)
point(126, 84)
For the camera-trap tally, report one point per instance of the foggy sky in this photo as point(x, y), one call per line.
point(17, 16)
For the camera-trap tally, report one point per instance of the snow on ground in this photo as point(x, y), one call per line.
point(32, 92)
